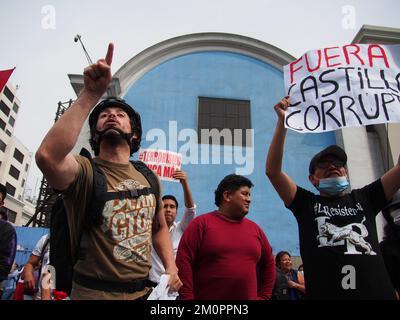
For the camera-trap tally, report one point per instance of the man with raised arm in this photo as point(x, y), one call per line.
point(176, 229)
point(337, 230)
point(116, 260)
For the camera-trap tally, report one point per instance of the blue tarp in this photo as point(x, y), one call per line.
point(27, 237)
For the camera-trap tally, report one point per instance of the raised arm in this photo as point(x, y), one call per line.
point(190, 206)
point(282, 183)
point(182, 177)
point(391, 181)
point(53, 156)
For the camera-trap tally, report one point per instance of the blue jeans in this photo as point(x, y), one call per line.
point(8, 294)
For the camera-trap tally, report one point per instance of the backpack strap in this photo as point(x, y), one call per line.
point(150, 177)
point(94, 211)
point(85, 153)
point(136, 193)
point(93, 214)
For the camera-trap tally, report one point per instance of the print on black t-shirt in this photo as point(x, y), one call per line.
point(351, 235)
point(339, 244)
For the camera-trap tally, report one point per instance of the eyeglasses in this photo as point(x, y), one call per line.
point(325, 164)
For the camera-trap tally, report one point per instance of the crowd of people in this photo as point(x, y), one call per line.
point(132, 237)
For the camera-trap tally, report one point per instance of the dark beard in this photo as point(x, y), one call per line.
point(113, 137)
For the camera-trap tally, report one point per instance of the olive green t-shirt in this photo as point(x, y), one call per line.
point(119, 249)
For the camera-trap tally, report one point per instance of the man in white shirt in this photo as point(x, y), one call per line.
point(39, 257)
point(176, 229)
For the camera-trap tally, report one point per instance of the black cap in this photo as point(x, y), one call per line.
point(116, 103)
point(332, 150)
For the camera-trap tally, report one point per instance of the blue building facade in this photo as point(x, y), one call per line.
point(166, 94)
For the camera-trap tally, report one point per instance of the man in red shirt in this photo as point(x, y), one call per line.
point(223, 255)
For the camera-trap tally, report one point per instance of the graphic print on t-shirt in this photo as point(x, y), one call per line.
point(129, 222)
point(351, 236)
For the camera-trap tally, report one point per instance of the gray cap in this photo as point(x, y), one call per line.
point(333, 150)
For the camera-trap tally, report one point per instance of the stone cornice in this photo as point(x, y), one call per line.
point(136, 67)
point(377, 34)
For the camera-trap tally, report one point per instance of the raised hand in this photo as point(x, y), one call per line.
point(179, 175)
point(97, 77)
point(281, 106)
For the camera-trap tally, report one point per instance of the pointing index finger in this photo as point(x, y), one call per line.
point(110, 53)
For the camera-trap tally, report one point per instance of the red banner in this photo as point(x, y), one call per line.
point(4, 76)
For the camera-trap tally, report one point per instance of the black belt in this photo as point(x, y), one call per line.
point(151, 284)
point(110, 286)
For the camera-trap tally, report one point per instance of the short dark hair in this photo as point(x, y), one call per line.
point(3, 190)
point(279, 256)
point(230, 183)
point(170, 197)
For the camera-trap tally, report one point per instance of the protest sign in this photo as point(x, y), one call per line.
point(162, 162)
point(337, 87)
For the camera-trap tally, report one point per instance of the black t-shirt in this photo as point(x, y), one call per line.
point(339, 244)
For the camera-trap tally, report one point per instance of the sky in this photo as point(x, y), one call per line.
point(37, 37)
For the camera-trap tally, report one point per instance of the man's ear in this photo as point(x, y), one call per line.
point(314, 181)
point(226, 195)
point(134, 136)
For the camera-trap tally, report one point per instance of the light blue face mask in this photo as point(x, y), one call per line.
point(333, 186)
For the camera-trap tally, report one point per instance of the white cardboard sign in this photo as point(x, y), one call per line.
point(337, 87)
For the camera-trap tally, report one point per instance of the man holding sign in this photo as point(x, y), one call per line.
point(176, 229)
point(335, 227)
